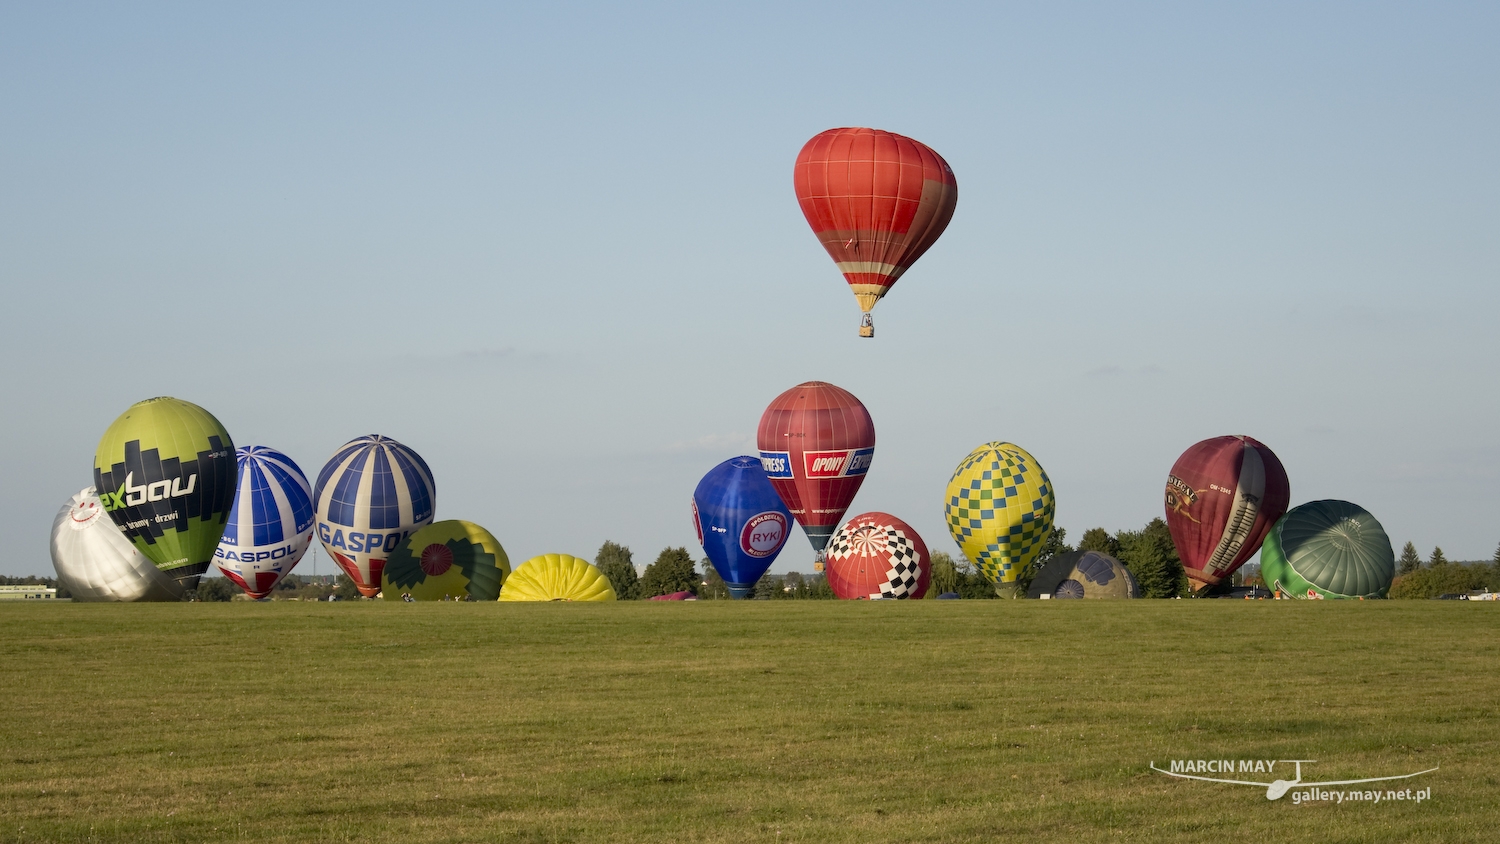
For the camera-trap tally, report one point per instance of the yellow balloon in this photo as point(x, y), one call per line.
point(999, 507)
point(557, 577)
point(450, 559)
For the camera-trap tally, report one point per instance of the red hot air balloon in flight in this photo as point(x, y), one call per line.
point(816, 443)
point(877, 201)
point(1223, 496)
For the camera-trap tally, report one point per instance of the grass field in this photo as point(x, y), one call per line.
point(772, 721)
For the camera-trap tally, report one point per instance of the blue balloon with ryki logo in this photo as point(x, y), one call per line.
point(741, 522)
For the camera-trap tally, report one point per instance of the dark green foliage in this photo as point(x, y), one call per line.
point(1446, 578)
point(971, 582)
point(617, 564)
point(1152, 558)
point(1410, 561)
point(767, 588)
point(217, 589)
point(345, 590)
point(1098, 539)
point(944, 575)
point(711, 587)
point(1437, 558)
point(673, 571)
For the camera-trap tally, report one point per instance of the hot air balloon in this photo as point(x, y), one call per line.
point(999, 508)
point(877, 556)
point(877, 201)
point(1084, 574)
point(165, 471)
point(270, 525)
point(95, 561)
point(741, 522)
point(371, 495)
point(1222, 496)
point(449, 559)
point(557, 577)
point(1328, 549)
point(816, 443)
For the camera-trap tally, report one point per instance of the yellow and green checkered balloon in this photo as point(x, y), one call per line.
point(999, 507)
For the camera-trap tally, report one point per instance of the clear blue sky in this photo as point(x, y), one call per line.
point(555, 248)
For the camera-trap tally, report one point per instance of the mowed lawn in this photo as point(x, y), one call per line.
point(716, 721)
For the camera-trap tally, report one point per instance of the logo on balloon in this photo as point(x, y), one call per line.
point(778, 464)
point(837, 464)
point(697, 521)
point(763, 534)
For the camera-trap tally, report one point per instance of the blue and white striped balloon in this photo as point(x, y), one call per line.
point(370, 496)
point(270, 525)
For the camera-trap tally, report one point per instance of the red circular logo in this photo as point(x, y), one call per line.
point(763, 534)
point(436, 559)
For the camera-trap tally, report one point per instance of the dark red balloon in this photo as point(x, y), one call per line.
point(1223, 496)
point(816, 443)
point(876, 556)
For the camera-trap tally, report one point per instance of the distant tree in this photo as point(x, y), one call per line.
point(216, 589)
point(1098, 539)
point(972, 582)
point(711, 587)
point(768, 588)
point(673, 571)
point(1445, 579)
point(288, 583)
point(345, 589)
point(1247, 575)
point(1152, 558)
point(944, 575)
point(1410, 561)
point(617, 564)
point(1437, 558)
point(815, 588)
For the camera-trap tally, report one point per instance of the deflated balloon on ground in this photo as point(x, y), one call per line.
point(1328, 549)
point(557, 577)
point(96, 562)
point(447, 560)
point(1083, 574)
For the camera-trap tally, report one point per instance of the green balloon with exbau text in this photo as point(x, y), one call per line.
point(166, 473)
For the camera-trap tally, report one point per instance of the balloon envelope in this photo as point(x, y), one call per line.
point(95, 562)
point(999, 507)
point(1222, 496)
point(741, 522)
point(165, 471)
point(557, 577)
point(816, 444)
point(1328, 549)
point(371, 495)
point(448, 559)
point(876, 556)
point(876, 201)
point(1084, 574)
point(270, 525)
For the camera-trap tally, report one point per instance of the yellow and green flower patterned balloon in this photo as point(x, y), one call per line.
point(451, 560)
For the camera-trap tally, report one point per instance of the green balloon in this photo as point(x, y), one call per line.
point(166, 473)
point(1328, 549)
